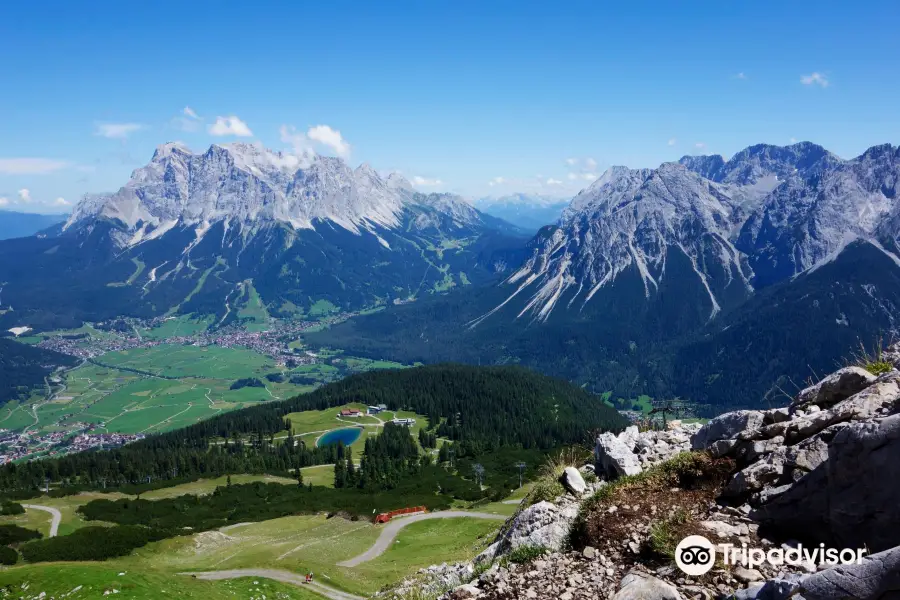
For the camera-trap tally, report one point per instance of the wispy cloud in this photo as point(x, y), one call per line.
point(60, 202)
point(4, 201)
point(230, 126)
point(552, 181)
point(814, 78)
point(420, 181)
point(741, 75)
point(497, 181)
point(700, 146)
point(331, 138)
point(30, 166)
point(672, 141)
point(117, 131)
point(24, 195)
point(188, 120)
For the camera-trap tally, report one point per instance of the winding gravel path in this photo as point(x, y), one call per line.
point(277, 575)
point(57, 516)
point(393, 527)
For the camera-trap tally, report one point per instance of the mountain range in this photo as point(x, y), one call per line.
point(706, 278)
point(703, 277)
point(528, 211)
point(189, 231)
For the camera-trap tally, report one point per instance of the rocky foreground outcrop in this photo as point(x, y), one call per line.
point(825, 469)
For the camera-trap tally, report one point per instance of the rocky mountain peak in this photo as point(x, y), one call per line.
point(251, 185)
point(766, 214)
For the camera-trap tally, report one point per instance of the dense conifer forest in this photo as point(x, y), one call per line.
point(481, 409)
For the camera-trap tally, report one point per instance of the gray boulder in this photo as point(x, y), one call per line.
point(573, 481)
point(614, 458)
point(838, 386)
point(849, 500)
point(877, 577)
point(774, 589)
point(642, 586)
point(542, 524)
point(727, 426)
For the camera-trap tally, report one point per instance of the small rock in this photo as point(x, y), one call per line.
point(745, 575)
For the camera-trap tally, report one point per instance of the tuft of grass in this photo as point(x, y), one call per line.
point(872, 361)
point(545, 490)
point(526, 554)
point(664, 537)
point(548, 486)
point(567, 457)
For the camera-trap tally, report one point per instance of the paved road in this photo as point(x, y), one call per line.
point(277, 575)
point(391, 530)
point(57, 516)
point(515, 501)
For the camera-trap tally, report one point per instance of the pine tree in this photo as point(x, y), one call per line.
point(340, 474)
point(299, 477)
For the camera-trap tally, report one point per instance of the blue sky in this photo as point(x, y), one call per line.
point(534, 97)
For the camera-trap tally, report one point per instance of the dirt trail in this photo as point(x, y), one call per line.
point(391, 530)
point(57, 516)
point(277, 575)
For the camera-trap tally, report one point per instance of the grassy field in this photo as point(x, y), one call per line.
point(297, 543)
point(192, 383)
point(95, 580)
point(310, 425)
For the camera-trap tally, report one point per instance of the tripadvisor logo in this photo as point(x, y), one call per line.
point(695, 555)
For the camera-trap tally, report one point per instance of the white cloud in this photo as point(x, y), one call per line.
point(741, 75)
point(672, 141)
point(700, 145)
point(497, 181)
point(60, 202)
point(572, 176)
point(118, 131)
point(814, 78)
point(552, 181)
point(571, 161)
point(589, 176)
point(24, 195)
point(332, 138)
point(230, 126)
point(189, 113)
point(793, 140)
point(4, 201)
point(420, 181)
point(590, 163)
point(30, 166)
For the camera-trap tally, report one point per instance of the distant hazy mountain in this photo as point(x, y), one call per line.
point(18, 224)
point(188, 230)
point(528, 211)
point(708, 278)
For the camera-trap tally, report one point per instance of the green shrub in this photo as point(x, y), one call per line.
point(11, 508)
point(13, 534)
point(92, 543)
point(8, 556)
point(526, 554)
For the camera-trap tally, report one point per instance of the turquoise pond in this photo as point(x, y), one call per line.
point(348, 435)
